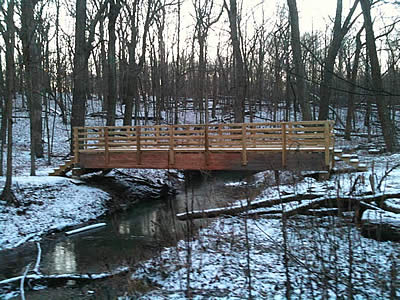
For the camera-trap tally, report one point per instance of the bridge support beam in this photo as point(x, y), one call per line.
point(256, 161)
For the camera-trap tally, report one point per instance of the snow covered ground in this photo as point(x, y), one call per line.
point(48, 203)
point(326, 259)
point(307, 257)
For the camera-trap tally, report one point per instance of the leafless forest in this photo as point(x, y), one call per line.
point(147, 59)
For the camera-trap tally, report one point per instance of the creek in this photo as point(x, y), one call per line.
point(131, 236)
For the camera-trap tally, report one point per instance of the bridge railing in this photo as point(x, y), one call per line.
point(312, 136)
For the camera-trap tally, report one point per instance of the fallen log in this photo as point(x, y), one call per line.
point(237, 209)
point(313, 201)
point(392, 205)
point(381, 225)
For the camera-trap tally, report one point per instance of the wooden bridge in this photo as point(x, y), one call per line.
point(304, 145)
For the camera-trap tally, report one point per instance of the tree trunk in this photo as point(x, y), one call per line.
point(352, 78)
point(80, 68)
point(9, 38)
point(112, 66)
point(135, 68)
point(298, 62)
point(102, 67)
point(32, 77)
point(3, 130)
point(83, 47)
point(339, 32)
point(239, 77)
point(388, 128)
point(177, 83)
point(59, 89)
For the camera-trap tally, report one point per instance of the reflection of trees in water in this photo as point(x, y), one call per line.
point(64, 259)
point(124, 227)
point(147, 223)
point(143, 225)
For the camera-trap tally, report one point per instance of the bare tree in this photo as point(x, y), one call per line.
point(115, 7)
point(9, 38)
point(135, 66)
point(352, 73)
point(204, 21)
point(3, 129)
point(239, 76)
point(388, 128)
point(177, 73)
point(339, 32)
point(83, 48)
point(59, 89)
point(298, 62)
point(32, 60)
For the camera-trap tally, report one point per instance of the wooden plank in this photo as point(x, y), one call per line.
point(309, 122)
point(268, 136)
point(307, 129)
point(264, 130)
point(257, 161)
point(98, 138)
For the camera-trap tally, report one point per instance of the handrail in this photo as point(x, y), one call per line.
point(315, 136)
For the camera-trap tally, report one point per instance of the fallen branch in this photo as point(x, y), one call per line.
point(303, 207)
point(21, 286)
point(90, 227)
point(40, 279)
point(321, 212)
point(387, 172)
point(37, 265)
point(25, 239)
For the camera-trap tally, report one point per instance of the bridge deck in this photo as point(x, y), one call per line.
point(246, 146)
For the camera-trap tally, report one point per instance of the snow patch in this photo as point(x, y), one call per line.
point(52, 203)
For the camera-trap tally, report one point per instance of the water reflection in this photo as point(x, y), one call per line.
point(148, 224)
point(130, 236)
point(64, 260)
point(124, 228)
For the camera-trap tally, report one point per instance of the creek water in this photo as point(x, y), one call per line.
point(128, 238)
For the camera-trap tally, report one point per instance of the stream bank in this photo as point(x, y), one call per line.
point(135, 231)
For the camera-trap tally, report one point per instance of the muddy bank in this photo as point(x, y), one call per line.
point(126, 189)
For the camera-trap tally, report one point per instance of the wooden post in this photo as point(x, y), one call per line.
point(76, 145)
point(253, 139)
point(206, 145)
point(327, 143)
point(138, 151)
point(171, 145)
point(244, 150)
point(220, 140)
point(284, 145)
point(106, 146)
point(157, 135)
point(129, 135)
